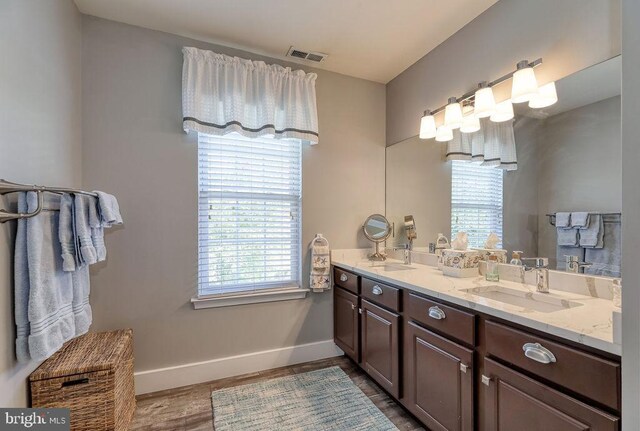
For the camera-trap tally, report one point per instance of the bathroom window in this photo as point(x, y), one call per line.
point(476, 201)
point(249, 216)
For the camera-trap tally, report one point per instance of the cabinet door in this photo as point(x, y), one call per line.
point(438, 380)
point(514, 401)
point(346, 322)
point(380, 333)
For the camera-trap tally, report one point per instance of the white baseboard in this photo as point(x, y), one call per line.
point(199, 372)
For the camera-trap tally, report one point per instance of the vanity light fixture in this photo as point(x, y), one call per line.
point(524, 85)
point(546, 96)
point(453, 114)
point(444, 134)
point(470, 123)
point(485, 104)
point(427, 126)
point(504, 112)
point(524, 89)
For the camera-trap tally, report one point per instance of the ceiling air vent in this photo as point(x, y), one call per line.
point(316, 57)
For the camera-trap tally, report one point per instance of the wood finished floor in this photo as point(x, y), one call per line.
point(189, 407)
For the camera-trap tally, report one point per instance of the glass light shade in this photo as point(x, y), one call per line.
point(546, 96)
point(427, 127)
point(524, 85)
point(485, 104)
point(504, 112)
point(453, 114)
point(444, 134)
point(470, 123)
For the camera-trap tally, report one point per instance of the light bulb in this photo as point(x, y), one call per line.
point(444, 134)
point(453, 114)
point(524, 85)
point(504, 112)
point(427, 126)
point(470, 123)
point(485, 104)
point(546, 96)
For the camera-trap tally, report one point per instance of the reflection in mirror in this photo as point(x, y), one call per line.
point(568, 161)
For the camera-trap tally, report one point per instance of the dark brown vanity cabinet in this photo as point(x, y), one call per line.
point(513, 401)
point(461, 370)
point(380, 334)
point(438, 380)
point(346, 322)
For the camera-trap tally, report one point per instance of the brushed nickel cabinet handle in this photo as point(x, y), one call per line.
point(436, 312)
point(463, 367)
point(538, 353)
point(486, 380)
point(377, 290)
point(343, 277)
point(353, 306)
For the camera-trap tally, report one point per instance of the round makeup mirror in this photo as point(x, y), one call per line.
point(377, 229)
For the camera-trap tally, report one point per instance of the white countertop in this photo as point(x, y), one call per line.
point(589, 324)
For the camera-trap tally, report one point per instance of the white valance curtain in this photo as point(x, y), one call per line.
point(222, 94)
point(493, 145)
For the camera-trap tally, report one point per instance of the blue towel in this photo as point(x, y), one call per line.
point(97, 231)
point(567, 237)
point(45, 303)
point(66, 234)
point(592, 235)
point(606, 260)
point(82, 207)
point(43, 292)
point(109, 209)
point(563, 220)
point(580, 219)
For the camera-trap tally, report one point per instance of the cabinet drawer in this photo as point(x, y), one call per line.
point(583, 373)
point(448, 320)
point(381, 294)
point(346, 280)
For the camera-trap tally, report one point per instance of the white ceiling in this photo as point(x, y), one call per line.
point(370, 39)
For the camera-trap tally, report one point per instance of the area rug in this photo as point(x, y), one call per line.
point(324, 399)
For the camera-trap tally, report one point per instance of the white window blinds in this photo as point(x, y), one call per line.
point(249, 217)
point(476, 201)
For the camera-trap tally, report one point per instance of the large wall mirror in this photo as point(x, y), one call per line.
point(568, 160)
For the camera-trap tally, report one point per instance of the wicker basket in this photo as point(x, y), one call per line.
point(91, 375)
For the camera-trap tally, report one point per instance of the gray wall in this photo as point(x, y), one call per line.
point(569, 35)
point(631, 211)
point(579, 165)
point(40, 134)
point(134, 147)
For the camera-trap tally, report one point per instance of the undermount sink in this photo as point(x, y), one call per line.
point(391, 266)
point(542, 302)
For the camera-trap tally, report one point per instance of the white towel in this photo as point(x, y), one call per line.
point(82, 207)
point(592, 236)
point(109, 209)
point(320, 274)
point(66, 234)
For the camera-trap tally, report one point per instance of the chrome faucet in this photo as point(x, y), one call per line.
point(573, 264)
point(541, 265)
point(406, 248)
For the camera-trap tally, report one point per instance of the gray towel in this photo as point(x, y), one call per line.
point(567, 237)
point(580, 219)
point(606, 260)
point(563, 220)
point(46, 310)
point(592, 235)
point(66, 234)
point(87, 253)
point(109, 209)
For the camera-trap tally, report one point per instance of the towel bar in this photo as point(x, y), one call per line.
point(10, 187)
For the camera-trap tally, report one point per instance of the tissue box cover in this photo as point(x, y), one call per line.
point(498, 252)
point(461, 259)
